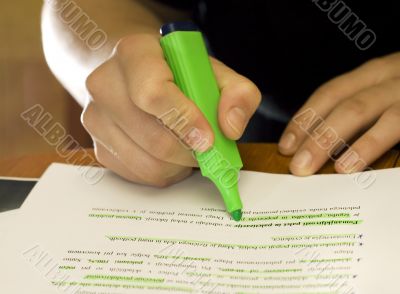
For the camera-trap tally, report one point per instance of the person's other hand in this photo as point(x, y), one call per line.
point(362, 106)
point(138, 118)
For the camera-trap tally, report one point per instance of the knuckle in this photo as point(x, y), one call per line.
point(125, 44)
point(149, 95)
point(255, 95)
point(356, 107)
point(142, 50)
point(88, 117)
point(326, 91)
point(249, 90)
point(94, 82)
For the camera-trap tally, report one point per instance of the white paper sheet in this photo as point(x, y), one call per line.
point(7, 219)
point(320, 234)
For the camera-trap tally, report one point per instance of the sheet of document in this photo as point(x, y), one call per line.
point(7, 220)
point(320, 234)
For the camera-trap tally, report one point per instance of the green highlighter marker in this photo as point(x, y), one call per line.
point(185, 51)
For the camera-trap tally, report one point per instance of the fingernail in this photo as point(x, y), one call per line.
point(287, 141)
point(197, 140)
point(302, 160)
point(237, 119)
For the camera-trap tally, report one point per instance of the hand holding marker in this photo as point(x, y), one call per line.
point(187, 56)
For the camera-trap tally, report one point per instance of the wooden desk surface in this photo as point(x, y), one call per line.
point(256, 157)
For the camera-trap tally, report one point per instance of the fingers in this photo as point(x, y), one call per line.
point(382, 136)
point(154, 91)
point(341, 125)
point(332, 93)
point(146, 131)
point(239, 100)
point(106, 158)
point(125, 156)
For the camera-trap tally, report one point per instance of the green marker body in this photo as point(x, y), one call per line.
point(187, 56)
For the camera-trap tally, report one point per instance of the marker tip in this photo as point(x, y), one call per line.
point(236, 215)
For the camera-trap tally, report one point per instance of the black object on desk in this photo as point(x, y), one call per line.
point(13, 193)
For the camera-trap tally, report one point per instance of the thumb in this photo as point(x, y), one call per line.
point(239, 100)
